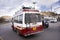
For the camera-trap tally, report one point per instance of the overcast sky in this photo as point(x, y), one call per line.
point(8, 7)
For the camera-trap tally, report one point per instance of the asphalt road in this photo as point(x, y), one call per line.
point(51, 33)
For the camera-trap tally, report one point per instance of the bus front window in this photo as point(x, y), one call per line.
point(32, 18)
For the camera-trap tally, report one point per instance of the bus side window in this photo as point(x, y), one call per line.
point(16, 19)
point(20, 18)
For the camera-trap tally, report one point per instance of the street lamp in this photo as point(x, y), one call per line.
point(34, 4)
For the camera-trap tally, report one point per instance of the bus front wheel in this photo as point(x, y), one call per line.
point(17, 32)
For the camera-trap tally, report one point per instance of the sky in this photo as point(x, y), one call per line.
point(9, 7)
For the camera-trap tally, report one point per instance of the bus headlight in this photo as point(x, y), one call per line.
point(27, 25)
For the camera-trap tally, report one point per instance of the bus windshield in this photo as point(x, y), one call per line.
point(32, 18)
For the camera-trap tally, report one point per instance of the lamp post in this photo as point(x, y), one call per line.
point(34, 4)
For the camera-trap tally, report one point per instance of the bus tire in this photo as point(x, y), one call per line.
point(17, 31)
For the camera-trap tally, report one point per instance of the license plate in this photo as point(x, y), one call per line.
point(34, 28)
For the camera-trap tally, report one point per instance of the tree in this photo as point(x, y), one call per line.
point(1, 19)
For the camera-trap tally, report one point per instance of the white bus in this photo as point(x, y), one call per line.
point(27, 22)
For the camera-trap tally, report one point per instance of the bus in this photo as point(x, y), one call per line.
point(27, 22)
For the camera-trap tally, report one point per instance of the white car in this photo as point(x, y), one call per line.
point(53, 20)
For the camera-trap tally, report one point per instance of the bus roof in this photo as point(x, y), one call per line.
point(30, 10)
point(26, 11)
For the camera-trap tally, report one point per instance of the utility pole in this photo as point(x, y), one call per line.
point(51, 8)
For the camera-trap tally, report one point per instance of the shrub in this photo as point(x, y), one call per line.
point(2, 19)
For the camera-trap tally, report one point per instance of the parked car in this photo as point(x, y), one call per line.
point(54, 20)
